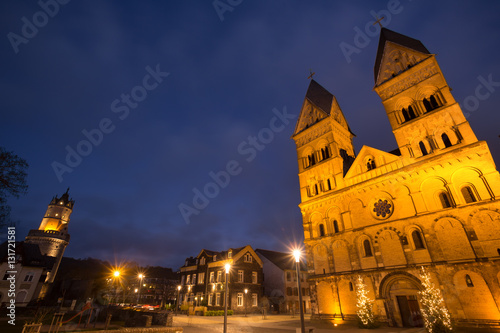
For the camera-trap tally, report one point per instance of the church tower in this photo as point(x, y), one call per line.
point(424, 116)
point(52, 236)
point(432, 202)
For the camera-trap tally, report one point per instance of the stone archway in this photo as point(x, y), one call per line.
point(399, 291)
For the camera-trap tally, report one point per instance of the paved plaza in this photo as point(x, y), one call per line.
point(283, 324)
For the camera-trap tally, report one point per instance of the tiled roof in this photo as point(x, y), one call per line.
point(319, 96)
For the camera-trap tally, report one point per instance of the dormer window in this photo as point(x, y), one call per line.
point(230, 254)
point(248, 258)
point(215, 257)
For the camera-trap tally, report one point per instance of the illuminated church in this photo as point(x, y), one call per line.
point(432, 202)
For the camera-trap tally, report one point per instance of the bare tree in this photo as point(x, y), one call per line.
point(13, 172)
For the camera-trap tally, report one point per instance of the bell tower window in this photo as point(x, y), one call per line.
point(446, 140)
point(422, 148)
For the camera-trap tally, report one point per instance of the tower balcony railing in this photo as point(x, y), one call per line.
point(48, 233)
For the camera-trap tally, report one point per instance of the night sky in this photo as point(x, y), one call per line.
point(173, 92)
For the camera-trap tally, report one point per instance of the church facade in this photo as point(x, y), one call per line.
point(433, 202)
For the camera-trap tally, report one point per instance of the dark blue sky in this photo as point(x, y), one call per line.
point(74, 72)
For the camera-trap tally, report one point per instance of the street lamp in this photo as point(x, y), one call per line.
point(116, 277)
point(297, 254)
point(246, 292)
point(141, 276)
point(178, 294)
point(228, 267)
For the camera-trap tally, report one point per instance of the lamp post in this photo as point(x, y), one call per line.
point(245, 300)
point(141, 276)
point(296, 254)
point(228, 267)
point(116, 276)
point(178, 294)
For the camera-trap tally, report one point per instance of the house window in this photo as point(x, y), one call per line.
point(202, 261)
point(219, 276)
point(217, 299)
point(289, 291)
point(188, 279)
point(288, 276)
point(240, 276)
point(230, 254)
point(367, 248)
point(239, 299)
point(335, 226)
point(248, 257)
point(210, 299)
point(201, 278)
point(417, 240)
point(422, 148)
point(194, 278)
point(468, 194)
point(29, 277)
point(215, 257)
point(254, 299)
point(446, 140)
point(321, 230)
point(254, 277)
point(445, 200)
point(468, 281)
point(212, 277)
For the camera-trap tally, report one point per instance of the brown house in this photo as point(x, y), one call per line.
point(203, 280)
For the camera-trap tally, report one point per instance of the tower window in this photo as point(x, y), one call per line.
point(468, 194)
point(417, 240)
point(367, 248)
point(351, 287)
point(321, 230)
point(427, 105)
point(446, 140)
point(434, 103)
point(468, 281)
point(445, 200)
point(335, 226)
point(329, 184)
point(405, 114)
point(422, 148)
point(325, 153)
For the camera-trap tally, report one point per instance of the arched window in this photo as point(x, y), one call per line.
point(351, 287)
point(321, 230)
point(498, 251)
point(468, 281)
point(446, 140)
point(312, 159)
point(328, 184)
point(367, 248)
point(411, 113)
point(422, 148)
point(434, 103)
point(316, 189)
point(445, 200)
point(468, 194)
point(417, 240)
point(327, 152)
point(335, 226)
point(427, 105)
point(406, 115)
point(370, 165)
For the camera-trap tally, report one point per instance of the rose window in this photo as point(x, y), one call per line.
point(382, 208)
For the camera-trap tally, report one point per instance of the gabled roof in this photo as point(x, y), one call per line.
point(369, 151)
point(284, 261)
point(387, 35)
